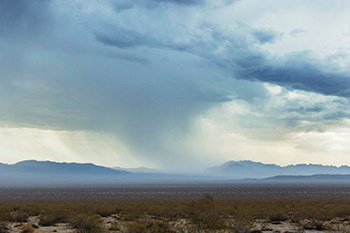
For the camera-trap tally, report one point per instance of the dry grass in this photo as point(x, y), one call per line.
point(204, 215)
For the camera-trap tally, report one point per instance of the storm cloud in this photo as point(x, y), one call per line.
point(24, 18)
point(149, 71)
point(238, 55)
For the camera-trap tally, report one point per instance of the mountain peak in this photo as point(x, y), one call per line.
point(252, 169)
point(50, 167)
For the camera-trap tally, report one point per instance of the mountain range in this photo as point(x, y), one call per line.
point(46, 173)
point(249, 169)
point(48, 167)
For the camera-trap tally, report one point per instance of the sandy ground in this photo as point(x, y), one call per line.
point(60, 227)
point(182, 225)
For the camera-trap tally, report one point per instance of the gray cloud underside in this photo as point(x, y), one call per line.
point(299, 71)
point(143, 104)
point(23, 17)
point(146, 86)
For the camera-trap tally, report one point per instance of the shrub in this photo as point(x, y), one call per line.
point(105, 212)
point(148, 227)
point(278, 217)
point(243, 223)
point(88, 224)
point(5, 214)
point(3, 228)
point(136, 227)
point(242, 226)
point(205, 214)
point(158, 227)
point(49, 220)
point(307, 224)
point(19, 216)
point(28, 228)
point(114, 227)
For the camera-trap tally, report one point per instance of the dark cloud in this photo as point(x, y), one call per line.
point(128, 57)
point(121, 5)
point(122, 38)
point(156, 74)
point(299, 71)
point(23, 16)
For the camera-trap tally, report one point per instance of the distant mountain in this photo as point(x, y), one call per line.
point(332, 178)
point(34, 173)
point(48, 167)
point(139, 170)
point(250, 169)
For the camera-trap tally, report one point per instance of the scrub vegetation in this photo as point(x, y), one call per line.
point(205, 214)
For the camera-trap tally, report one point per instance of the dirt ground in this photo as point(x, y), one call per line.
point(183, 226)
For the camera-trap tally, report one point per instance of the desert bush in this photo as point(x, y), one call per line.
point(159, 227)
point(3, 227)
point(307, 224)
point(27, 228)
point(49, 220)
point(147, 227)
point(105, 211)
point(88, 224)
point(5, 213)
point(136, 227)
point(114, 226)
point(278, 217)
point(205, 214)
point(243, 223)
point(19, 216)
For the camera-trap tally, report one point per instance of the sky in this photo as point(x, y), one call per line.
point(175, 84)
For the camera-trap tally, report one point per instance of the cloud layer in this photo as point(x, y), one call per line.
point(149, 72)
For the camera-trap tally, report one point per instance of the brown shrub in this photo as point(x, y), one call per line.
point(19, 216)
point(114, 226)
point(28, 228)
point(88, 224)
point(205, 214)
point(49, 220)
point(148, 227)
point(136, 227)
point(278, 217)
point(3, 227)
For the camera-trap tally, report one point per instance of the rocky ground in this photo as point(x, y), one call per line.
point(116, 223)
